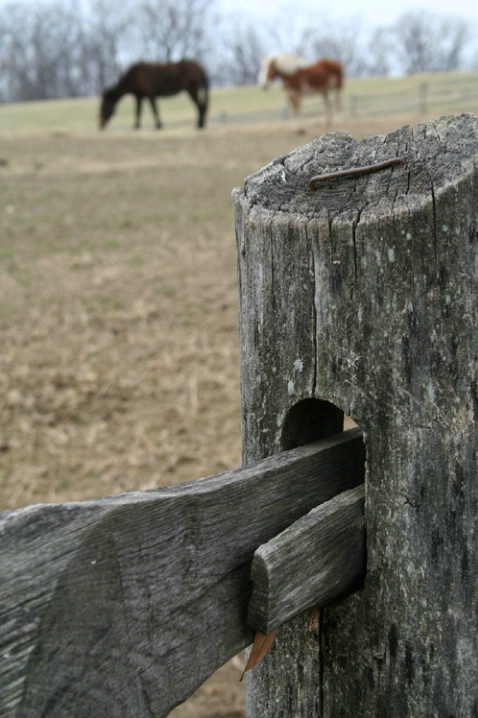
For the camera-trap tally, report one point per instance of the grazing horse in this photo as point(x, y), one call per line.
point(321, 77)
point(151, 80)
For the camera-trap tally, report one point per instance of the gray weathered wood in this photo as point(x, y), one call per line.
point(123, 606)
point(364, 293)
point(317, 559)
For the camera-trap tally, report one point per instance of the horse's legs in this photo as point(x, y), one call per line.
point(154, 108)
point(294, 101)
point(202, 107)
point(139, 102)
point(199, 97)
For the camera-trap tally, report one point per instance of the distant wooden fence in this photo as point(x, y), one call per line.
point(455, 94)
point(358, 293)
point(423, 97)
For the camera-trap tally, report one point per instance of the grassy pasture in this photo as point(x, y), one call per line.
point(118, 298)
point(118, 312)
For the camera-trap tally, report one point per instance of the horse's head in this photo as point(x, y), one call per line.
point(107, 108)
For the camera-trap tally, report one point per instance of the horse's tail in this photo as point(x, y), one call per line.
point(203, 93)
point(338, 70)
point(334, 71)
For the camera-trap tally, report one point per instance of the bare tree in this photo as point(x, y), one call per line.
point(377, 53)
point(343, 42)
point(105, 40)
point(38, 53)
point(171, 29)
point(241, 57)
point(290, 34)
point(425, 42)
point(45, 52)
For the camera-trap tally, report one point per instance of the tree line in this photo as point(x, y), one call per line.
point(60, 48)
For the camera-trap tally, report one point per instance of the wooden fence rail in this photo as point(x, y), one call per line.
point(423, 97)
point(358, 294)
point(124, 606)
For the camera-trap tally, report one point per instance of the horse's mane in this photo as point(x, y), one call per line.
point(287, 64)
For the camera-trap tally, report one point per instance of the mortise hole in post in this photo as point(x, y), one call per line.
point(310, 420)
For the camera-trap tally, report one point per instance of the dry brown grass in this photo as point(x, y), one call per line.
point(118, 313)
point(119, 362)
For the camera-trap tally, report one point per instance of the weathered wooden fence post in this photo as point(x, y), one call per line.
point(364, 293)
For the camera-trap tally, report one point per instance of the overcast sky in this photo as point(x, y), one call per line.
point(372, 13)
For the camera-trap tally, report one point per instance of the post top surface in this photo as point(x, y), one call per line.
point(439, 153)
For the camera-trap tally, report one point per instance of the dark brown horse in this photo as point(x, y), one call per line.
point(152, 80)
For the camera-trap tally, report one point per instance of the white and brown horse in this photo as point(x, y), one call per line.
point(322, 77)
